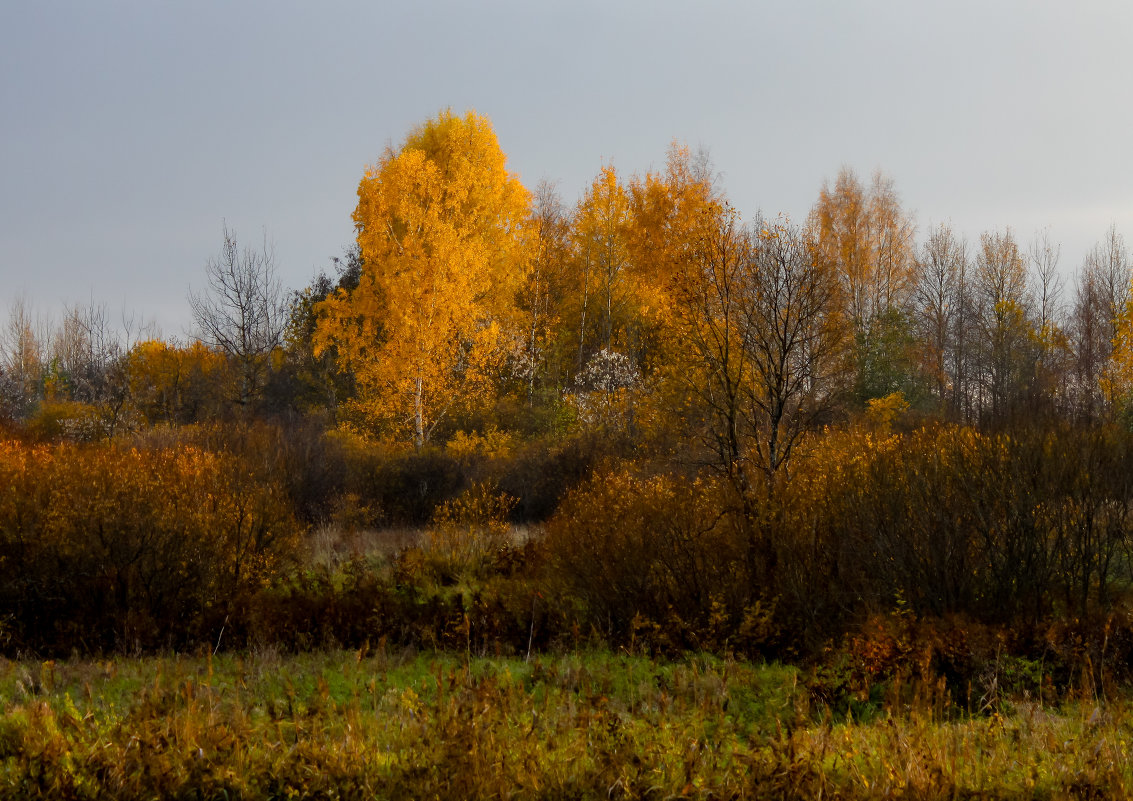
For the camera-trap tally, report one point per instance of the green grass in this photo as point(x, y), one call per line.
point(584, 725)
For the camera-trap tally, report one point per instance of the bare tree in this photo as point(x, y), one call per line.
point(84, 347)
point(760, 316)
point(796, 336)
point(22, 351)
point(708, 316)
point(1102, 293)
point(761, 349)
point(1053, 368)
point(1005, 352)
point(243, 311)
point(1048, 281)
point(938, 314)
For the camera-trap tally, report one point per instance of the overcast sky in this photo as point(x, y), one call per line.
point(130, 130)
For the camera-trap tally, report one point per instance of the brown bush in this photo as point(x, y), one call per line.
point(401, 488)
point(1007, 529)
point(656, 559)
point(112, 547)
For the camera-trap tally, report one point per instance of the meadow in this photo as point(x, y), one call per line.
point(596, 724)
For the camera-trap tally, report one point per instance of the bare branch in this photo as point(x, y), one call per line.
point(243, 311)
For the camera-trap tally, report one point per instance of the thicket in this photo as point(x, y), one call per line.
point(175, 537)
point(939, 551)
point(942, 547)
point(116, 547)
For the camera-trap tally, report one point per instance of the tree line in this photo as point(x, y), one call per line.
point(469, 301)
point(738, 431)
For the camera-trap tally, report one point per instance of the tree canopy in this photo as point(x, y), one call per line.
point(442, 226)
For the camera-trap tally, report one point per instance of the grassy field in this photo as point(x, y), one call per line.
point(595, 725)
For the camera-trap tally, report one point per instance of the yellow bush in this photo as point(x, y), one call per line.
point(71, 420)
point(471, 527)
point(492, 443)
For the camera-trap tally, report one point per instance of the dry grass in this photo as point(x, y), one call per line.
point(601, 725)
point(332, 546)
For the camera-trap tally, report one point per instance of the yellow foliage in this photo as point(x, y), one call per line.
point(60, 419)
point(492, 443)
point(441, 225)
point(169, 382)
point(1117, 376)
point(601, 229)
point(673, 211)
point(864, 234)
point(471, 527)
point(881, 412)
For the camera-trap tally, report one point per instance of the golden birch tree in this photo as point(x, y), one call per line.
point(601, 228)
point(441, 225)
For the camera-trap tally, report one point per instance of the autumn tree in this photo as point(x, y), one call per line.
point(1101, 297)
point(1116, 382)
point(672, 211)
point(442, 230)
point(1006, 342)
point(865, 236)
point(601, 246)
point(543, 294)
point(669, 212)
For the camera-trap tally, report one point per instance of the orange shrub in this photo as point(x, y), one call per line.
point(113, 547)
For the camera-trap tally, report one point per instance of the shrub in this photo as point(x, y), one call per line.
point(654, 558)
point(309, 465)
point(468, 531)
point(55, 420)
point(1002, 528)
point(110, 547)
point(400, 487)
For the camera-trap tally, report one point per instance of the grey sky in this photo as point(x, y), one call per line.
point(129, 130)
